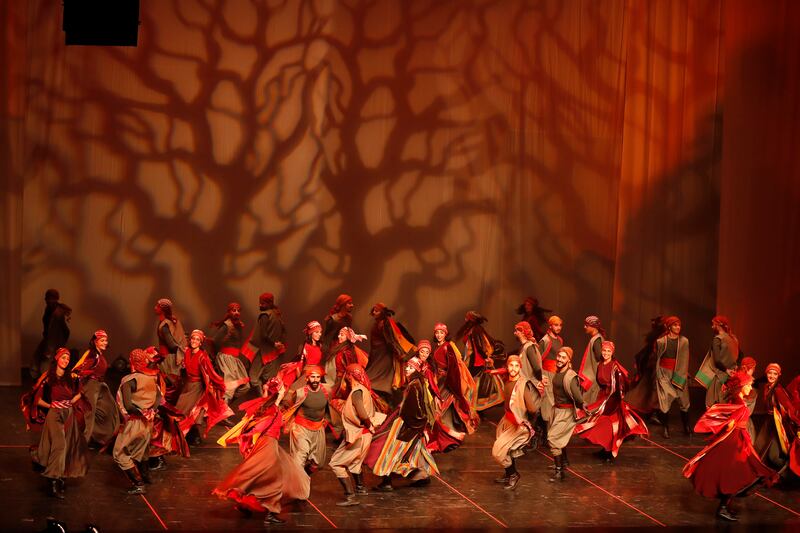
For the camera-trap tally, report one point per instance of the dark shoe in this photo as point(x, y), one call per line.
point(349, 492)
point(513, 480)
point(558, 473)
point(724, 514)
point(687, 429)
point(564, 458)
point(504, 479)
point(424, 482)
point(664, 422)
point(386, 484)
point(157, 463)
point(358, 480)
point(271, 519)
point(609, 459)
point(247, 513)
point(55, 490)
point(135, 478)
point(144, 470)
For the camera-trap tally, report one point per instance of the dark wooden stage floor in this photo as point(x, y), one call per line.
point(644, 489)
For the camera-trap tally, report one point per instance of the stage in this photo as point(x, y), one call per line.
point(644, 489)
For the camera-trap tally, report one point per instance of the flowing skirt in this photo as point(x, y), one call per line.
point(62, 450)
point(267, 477)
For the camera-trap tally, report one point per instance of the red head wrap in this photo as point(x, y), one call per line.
point(671, 320)
point(774, 366)
point(723, 322)
point(424, 344)
point(511, 358)
point(440, 326)
point(748, 363)
point(311, 326)
point(198, 333)
point(554, 320)
point(608, 344)
point(100, 333)
point(313, 369)
point(358, 373)
point(525, 328)
point(266, 298)
point(60, 352)
point(592, 321)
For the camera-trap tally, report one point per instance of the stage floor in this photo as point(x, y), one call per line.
point(643, 489)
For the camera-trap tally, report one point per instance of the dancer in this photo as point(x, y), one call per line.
point(534, 315)
point(672, 371)
point(102, 423)
point(346, 352)
point(529, 351)
point(720, 361)
point(389, 345)
point(748, 365)
point(522, 397)
point(643, 392)
point(267, 476)
point(55, 332)
point(305, 421)
point(138, 397)
point(551, 342)
point(340, 316)
point(400, 446)
point(56, 407)
point(171, 345)
point(562, 394)
point(613, 420)
point(203, 392)
point(776, 436)
point(267, 341)
point(228, 343)
point(360, 418)
point(480, 352)
point(455, 415)
point(591, 357)
point(167, 436)
point(310, 354)
point(728, 466)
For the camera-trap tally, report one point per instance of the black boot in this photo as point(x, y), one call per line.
point(349, 493)
point(564, 458)
point(609, 458)
point(386, 484)
point(271, 519)
point(144, 470)
point(558, 472)
point(359, 484)
point(504, 479)
point(157, 463)
point(724, 513)
point(193, 437)
point(55, 489)
point(135, 478)
point(664, 422)
point(62, 486)
point(687, 429)
point(513, 477)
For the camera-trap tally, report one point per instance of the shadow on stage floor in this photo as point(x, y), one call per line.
point(643, 489)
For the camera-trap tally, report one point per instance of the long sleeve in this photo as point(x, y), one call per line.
point(535, 360)
point(219, 336)
point(127, 389)
point(530, 400)
point(597, 349)
point(168, 339)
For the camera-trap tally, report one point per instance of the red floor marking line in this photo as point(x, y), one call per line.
point(322, 514)
point(590, 482)
point(484, 511)
point(755, 493)
point(154, 512)
point(778, 504)
point(13, 446)
point(654, 443)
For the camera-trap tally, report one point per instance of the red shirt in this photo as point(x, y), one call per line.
point(313, 354)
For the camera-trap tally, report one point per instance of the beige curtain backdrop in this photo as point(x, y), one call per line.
point(436, 156)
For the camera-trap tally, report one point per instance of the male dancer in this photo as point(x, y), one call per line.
point(530, 357)
point(720, 361)
point(340, 316)
point(138, 398)
point(514, 431)
point(269, 340)
point(551, 343)
point(562, 393)
point(55, 332)
point(228, 343)
point(360, 418)
point(591, 357)
point(672, 368)
point(306, 422)
point(171, 346)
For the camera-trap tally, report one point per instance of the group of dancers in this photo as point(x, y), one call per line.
point(395, 406)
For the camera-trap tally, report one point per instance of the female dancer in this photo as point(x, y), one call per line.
point(268, 475)
point(90, 370)
point(613, 420)
point(729, 465)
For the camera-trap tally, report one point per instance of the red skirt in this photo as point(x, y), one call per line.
point(265, 478)
point(612, 426)
point(729, 467)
